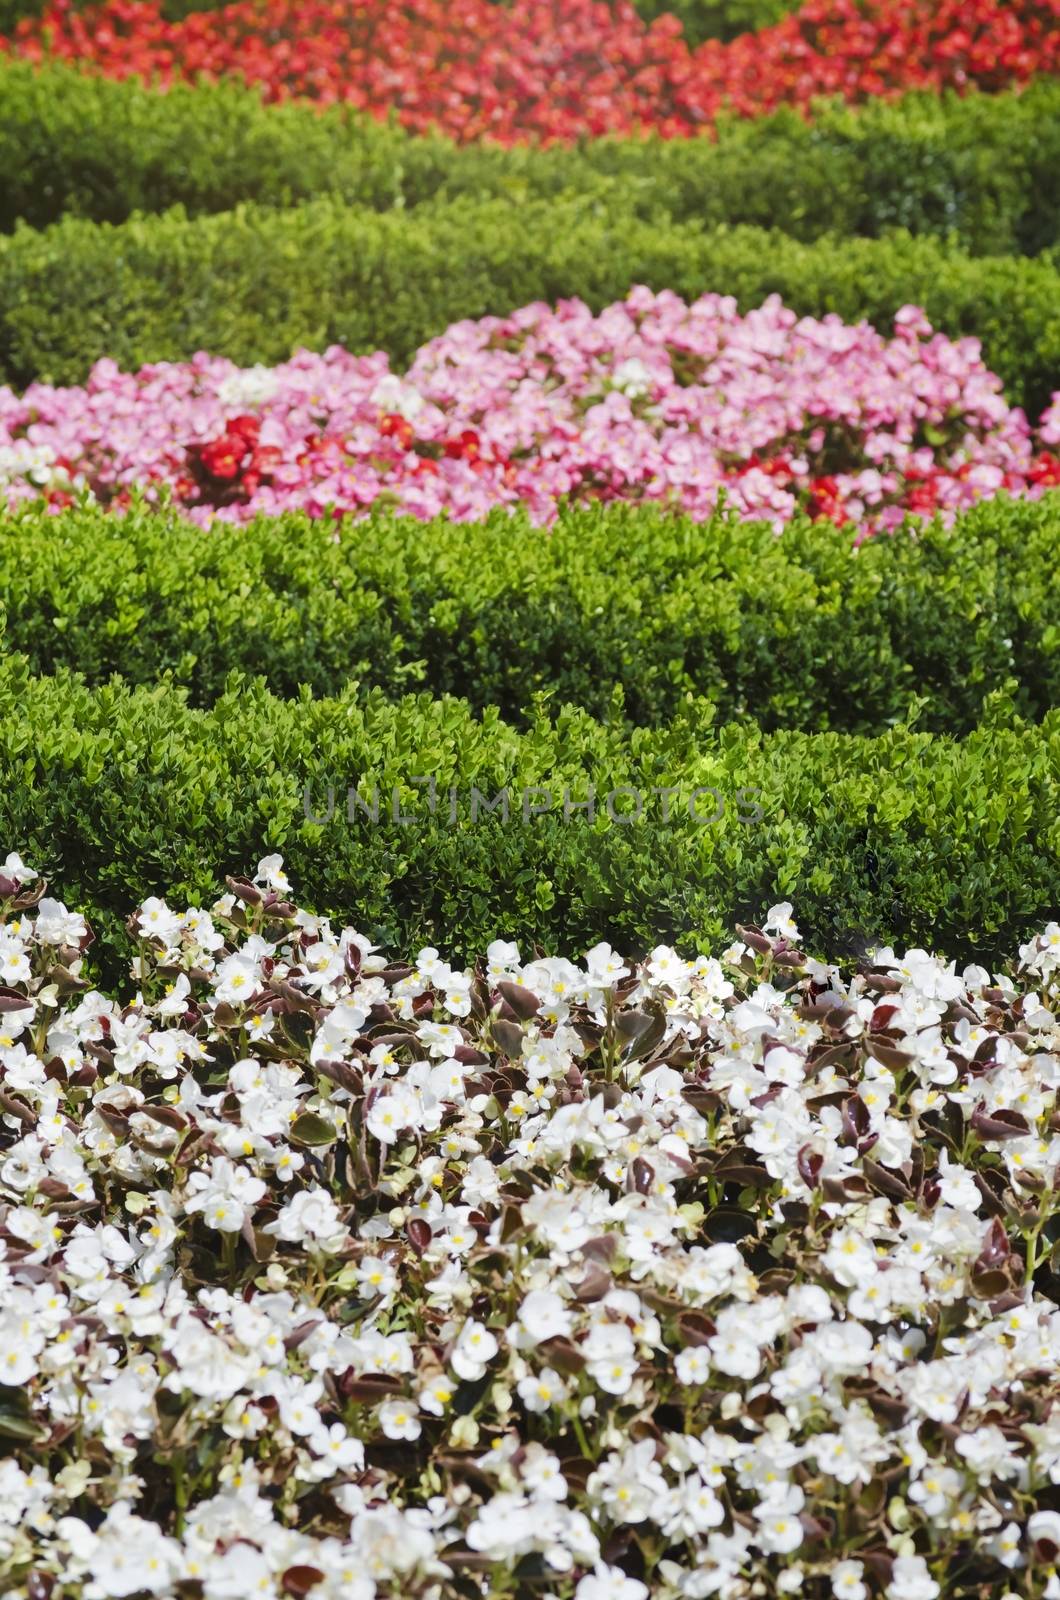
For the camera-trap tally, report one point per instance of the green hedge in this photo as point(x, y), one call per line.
point(254, 283)
point(984, 168)
point(795, 631)
point(117, 792)
point(717, 19)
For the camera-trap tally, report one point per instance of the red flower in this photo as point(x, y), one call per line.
point(465, 447)
point(555, 69)
point(234, 465)
point(398, 428)
point(1045, 471)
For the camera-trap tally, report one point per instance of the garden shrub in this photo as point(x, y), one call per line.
point(982, 168)
point(792, 631)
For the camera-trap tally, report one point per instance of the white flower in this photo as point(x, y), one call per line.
point(237, 980)
point(539, 1391)
point(1044, 1525)
point(241, 1572)
point(692, 1365)
point(310, 1218)
point(474, 1349)
point(604, 967)
point(780, 1530)
point(225, 1195)
point(56, 925)
point(130, 1556)
point(846, 1580)
point(341, 1452)
point(632, 377)
point(734, 1348)
point(778, 921)
point(159, 922)
point(630, 1484)
point(398, 1419)
point(251, 386)
point(911, 1580)
point(542, 1315)
point(610, 1583)
point(15, 867)
point(391, 1112)
point(401, 399)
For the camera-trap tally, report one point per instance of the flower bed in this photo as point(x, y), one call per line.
point(330, 1275)
point(556, 69)
point(652, 400)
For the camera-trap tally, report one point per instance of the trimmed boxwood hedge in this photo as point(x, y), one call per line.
point(254, 283)
point(700, 19)
point(717, 19)
point(984, 168)
point(796, 631)
point(119, 792)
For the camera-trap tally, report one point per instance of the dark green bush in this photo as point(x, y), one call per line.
point(717, 19)
point(78, 144)
point(796, 631)
point(983, 168)
point(255, 283)
point(117, 792)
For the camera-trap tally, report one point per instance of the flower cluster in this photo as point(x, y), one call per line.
point(326, 1275)
point(555, 69)
point(652, 400)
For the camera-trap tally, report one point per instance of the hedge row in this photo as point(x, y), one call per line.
point(254, 283)
point(791, 632)
point(717, 19)
point(119, 792)
point(984, 168)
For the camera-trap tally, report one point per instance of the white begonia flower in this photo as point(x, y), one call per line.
point(541, 1390)
point(632, 377)
point(310, 1218)
point(610, 1583)
point(251, 386)
point(398, 1419)
point(473, 1351)
point(393, 394)
point(847, 1582)
point(15, 867)
point(911, 1580)
point(56, 925)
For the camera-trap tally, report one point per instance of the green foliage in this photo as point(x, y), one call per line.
point(717, 19)
point(791, 632)
point(255, 283)
point(117, 792)
point(984, 168)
